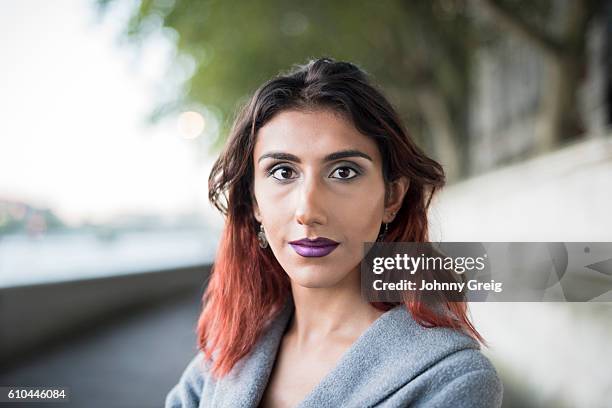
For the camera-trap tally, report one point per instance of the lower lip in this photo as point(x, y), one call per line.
point(313, 252)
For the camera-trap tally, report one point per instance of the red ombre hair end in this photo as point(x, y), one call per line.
point(248, 287)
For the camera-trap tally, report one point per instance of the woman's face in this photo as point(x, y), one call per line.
point(317, 176)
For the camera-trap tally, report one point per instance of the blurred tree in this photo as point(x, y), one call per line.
point(18, 217)
point(418, 51)
point(558, 29)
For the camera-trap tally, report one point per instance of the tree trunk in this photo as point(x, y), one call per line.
point(439, 122)
point(558, 119)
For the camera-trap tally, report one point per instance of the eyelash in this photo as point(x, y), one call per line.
point(273, 170)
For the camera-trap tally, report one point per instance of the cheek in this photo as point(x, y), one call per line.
point(266, 197)
point(360, 215)
point(274, 209)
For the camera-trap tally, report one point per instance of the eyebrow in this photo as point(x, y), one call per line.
point(342, 154)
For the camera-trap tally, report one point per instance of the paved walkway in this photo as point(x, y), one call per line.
point(129, 362)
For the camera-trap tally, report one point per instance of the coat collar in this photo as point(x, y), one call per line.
point(389, 354)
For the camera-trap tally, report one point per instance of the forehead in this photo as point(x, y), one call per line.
point(312, 135)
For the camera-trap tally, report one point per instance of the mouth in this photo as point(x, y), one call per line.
point(314, 248)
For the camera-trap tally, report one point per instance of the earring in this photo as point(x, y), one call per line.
point(261, 237)
point(381, 237)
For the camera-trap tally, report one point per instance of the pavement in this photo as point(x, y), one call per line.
point(130, 361)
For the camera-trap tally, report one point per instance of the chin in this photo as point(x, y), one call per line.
point(314, 278)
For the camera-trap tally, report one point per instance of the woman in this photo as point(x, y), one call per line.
point(318, 163)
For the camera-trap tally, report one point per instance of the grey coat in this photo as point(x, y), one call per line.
point(394, 363)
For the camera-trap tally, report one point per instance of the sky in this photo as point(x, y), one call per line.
point(73, 103)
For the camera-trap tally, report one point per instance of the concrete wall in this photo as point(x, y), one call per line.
point(32, 316)
point(563, 196)
point(554, 354)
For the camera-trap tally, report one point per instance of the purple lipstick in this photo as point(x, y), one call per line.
point(314, 247)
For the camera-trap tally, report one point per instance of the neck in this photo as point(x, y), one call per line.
point(336, 313)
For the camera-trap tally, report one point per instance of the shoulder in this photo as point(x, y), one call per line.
point(465, 378)
point(439, 366)
point(187, 392)
point(197, 382)
point(399, 326)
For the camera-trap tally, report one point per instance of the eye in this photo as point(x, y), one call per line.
point(345, 172)
point(283, 173)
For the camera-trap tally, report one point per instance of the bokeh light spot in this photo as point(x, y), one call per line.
point(191, 124)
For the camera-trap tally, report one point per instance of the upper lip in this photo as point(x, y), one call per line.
point(317, 242)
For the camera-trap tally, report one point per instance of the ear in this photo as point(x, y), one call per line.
point(396, 190)
point(256, 212)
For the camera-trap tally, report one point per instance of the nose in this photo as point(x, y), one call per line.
point(310, 206)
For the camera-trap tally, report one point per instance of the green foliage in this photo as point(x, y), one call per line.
point(407, 46)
